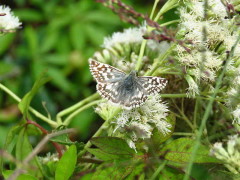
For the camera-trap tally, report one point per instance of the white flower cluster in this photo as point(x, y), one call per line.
point(134, 36)
point(7, 20)
point(49, 158)
point(139, 123)
point(220, 37)
point(229, 155)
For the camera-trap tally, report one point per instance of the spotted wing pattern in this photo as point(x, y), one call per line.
point(129, 91)
point(104, 73)
point(152, 84)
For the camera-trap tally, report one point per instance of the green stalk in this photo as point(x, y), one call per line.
point(144, 42)
point(71, 116)
point(75, 106)
point(154, 8)
point(35, 112)
point(99, 131)
point(173, 95)
point(207, 112)
point(155, 174)
point(157, 63)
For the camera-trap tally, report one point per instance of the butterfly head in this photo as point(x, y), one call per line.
point(133, 73)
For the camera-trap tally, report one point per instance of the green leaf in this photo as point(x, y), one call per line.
point(171, 173)
point(118, 170)
point(103, 155)
point(7, 174)
point(23, 149)
point(113, 145)
point(66, 165)
point(25, 102)
point(10, 142)
point(63, 139)
point(180, 150)
point(158, 137)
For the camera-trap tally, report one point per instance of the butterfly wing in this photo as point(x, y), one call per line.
point(108, 91)
point(152, 84)
point(108, 79)
point(104, 73)
point(138, 97)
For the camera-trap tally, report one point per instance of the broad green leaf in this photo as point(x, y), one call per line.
point(116, 170)
point(65, 140)
point(7, 174)
point(66, 165)
point(158, 137)
point(25, 102)
point(180, 150)
point(49, 169)
point(10, 142)
point(171, 173)
point(113, 145)
point(23, 149)
point(103, 155)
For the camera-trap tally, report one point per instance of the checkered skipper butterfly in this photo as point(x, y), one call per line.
point(128, 90)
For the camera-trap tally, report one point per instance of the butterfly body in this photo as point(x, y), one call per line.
point(128, 90)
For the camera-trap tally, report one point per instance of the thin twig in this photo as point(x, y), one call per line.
point(36, 150)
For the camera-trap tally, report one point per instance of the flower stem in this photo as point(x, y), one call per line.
point(207, 111)
point(99, 131)
point(160, 60)
point(173, 95)
point(158, 170)
point(76, 106)
point(144, 42)
point(36, 113)
point(71, 116)
point(154, 8)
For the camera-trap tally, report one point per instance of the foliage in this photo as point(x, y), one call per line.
point(46, 88)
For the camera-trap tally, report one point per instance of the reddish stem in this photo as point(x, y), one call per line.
point(44, 131)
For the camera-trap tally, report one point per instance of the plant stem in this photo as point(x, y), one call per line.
point(155, 174)
point(71, 116)
point(170, 22)
point(170, 4)
point(144, 42)
point(173, 95)
point(19, 169)
point(36, 113)
point(9, 92)
point(154, 8)
point(207, 111)
point(142, 49)
point(160, 60)
point(99, 131)
point(76, 106)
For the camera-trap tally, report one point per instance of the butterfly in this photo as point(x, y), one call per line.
point(128, 90)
